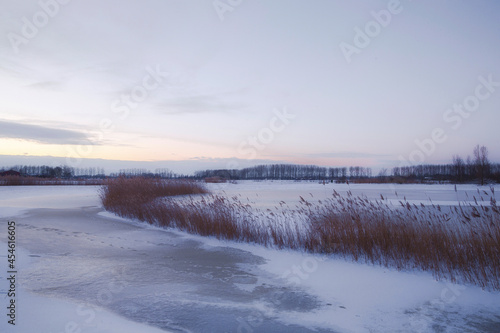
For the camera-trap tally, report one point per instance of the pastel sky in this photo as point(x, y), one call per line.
point(228, 83)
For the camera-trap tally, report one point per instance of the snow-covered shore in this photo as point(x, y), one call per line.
point(84, 270)
point(36, 312)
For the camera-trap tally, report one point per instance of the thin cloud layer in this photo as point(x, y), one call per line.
point(347, 154)
point(171, 79)
point(41, 134)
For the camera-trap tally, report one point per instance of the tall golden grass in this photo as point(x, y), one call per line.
point(460, 244)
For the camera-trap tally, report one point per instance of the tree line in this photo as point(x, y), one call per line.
point(63, 171)
point(475, 168)
point(287, 172)
point(138, 172)
point(66, 172)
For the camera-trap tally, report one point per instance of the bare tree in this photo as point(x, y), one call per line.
point(458, 167)
point(481, 161)
point(383, 173)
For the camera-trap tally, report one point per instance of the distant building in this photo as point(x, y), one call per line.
point(10, 173)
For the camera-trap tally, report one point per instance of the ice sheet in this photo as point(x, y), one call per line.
point(79, 259)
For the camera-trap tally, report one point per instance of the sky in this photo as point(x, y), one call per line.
point(197, 84)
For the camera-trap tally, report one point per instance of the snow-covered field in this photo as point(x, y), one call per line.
point(81, 269)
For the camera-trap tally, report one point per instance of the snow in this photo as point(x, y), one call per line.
point(36, 313)
point(364, 298)
point(48, 314)
point(15, 200)
point(267, 194)
point(86, 270)
point(367, 299)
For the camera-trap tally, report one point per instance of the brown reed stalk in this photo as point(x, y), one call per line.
point(460, 245)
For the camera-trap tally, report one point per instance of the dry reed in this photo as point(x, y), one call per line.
point(460, 244)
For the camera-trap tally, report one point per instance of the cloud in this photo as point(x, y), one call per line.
point(347, 154)
point(50, 85)
point(201, 103)
point(42, 134)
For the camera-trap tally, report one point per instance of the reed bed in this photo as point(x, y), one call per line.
point(460, 244)
point(130, 196)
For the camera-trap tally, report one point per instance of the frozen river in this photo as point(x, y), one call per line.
point(267, 194)
point(84, 270)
